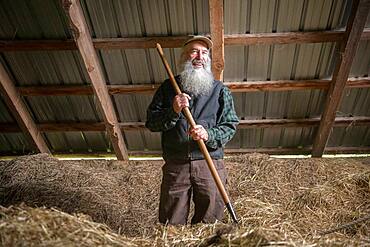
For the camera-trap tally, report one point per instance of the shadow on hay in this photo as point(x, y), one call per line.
point(40, 180)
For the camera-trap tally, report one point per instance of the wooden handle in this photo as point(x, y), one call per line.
point(192, 123)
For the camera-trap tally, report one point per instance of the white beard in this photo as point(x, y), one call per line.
point(197, 81)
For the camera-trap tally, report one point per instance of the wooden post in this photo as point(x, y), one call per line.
point(349, 45)
point(85, 46)
point(14, 102)
point(216, 15)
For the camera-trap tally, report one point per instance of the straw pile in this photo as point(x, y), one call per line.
point(25, 226)
point(115, 194)
point(300, 200)
point(291, 202)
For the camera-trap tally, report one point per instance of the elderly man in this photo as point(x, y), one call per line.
point(185, 172)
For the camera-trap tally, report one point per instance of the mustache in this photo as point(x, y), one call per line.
point(195, 60)
point(188, 64)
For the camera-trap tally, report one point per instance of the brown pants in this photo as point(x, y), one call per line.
point(180, 180)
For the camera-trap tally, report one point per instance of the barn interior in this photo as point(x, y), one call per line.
point(77, 76)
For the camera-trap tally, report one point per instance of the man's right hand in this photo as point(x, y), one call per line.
point(180, 101)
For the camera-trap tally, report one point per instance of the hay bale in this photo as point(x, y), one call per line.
point(109, 194)
point(302, 197)
point(26, 226)
point(288, 202)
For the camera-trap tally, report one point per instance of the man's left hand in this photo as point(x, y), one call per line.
point(198, 133)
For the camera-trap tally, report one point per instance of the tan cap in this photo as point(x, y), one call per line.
point(200, 38)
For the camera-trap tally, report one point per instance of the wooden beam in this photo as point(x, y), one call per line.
point(349, 45)
point(236, 87)
point(140, 42)
point(283, 38)
point(37, 45)
point(85, 46)
point(304, 150)
point(272, 151)
point(304, 122)
point(177, 41)
point(88, 126)
point(285, 85)
point(103, 44)
point(281, 85)
point(53, 90)
point(134, 89)
point(359, 82)
point(244, 124)
point(216, 15)
point(228, 152)
point(365, 34)
point(19, 111)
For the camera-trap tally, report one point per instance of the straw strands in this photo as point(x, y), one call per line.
point(289, 202)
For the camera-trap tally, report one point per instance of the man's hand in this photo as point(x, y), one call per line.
point(198, 133)
point(180, 101)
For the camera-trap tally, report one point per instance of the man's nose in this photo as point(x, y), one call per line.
point(199, 55)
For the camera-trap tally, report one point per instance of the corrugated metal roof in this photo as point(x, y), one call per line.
point(126, 18)
point(26, 20)
point(5, 116)
point(14, 143)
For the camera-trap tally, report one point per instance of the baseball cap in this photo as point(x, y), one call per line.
point(200, 38)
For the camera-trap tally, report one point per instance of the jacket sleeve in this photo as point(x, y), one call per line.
point(160, 114)
point(227, 121)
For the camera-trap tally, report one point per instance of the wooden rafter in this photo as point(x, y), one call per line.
point(244, 124)
point(14, 102)
point(177, 41)
point(272, 151)
point(330, 150)
point(216, 15)
point(349, 45)
point(237, 87)
point(85, 46)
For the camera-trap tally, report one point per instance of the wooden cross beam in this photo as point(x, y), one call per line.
point(177, 41)
point(19, 110)
point(349, 45)
point(243, 124)
point(236, 87)
point(86, 48)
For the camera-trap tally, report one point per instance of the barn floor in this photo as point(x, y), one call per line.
point(285, 202)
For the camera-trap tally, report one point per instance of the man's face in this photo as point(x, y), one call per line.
point(196, 75)
point(197, 52)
